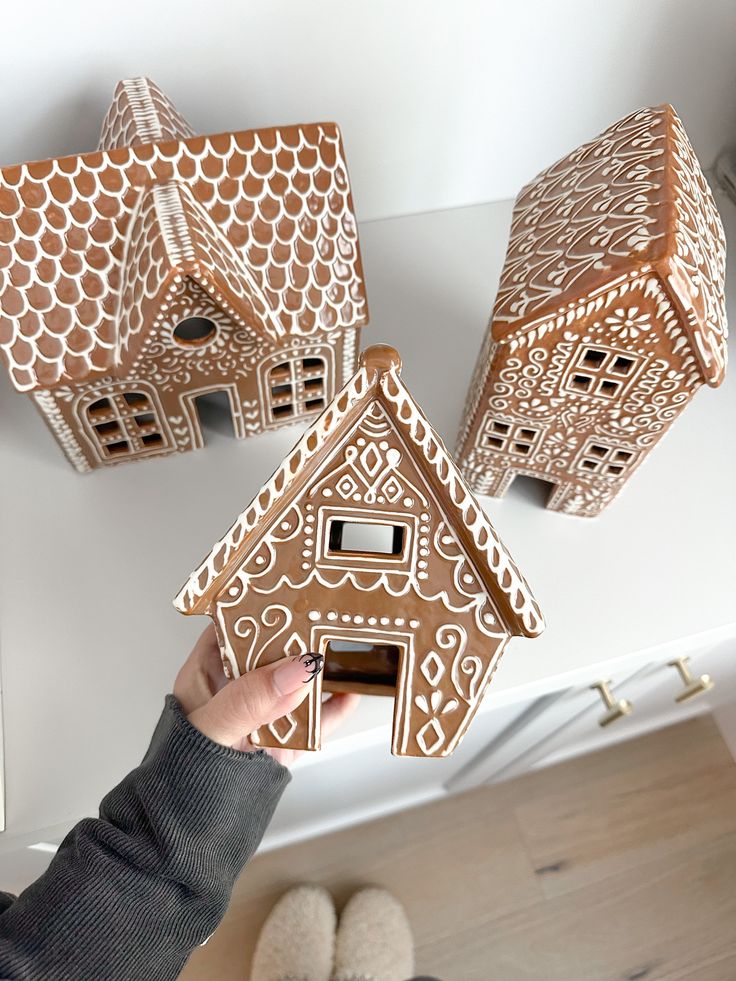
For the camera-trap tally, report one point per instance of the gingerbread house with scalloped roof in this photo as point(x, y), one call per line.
point(164, 269)
point(609, 317)
point(367, 546)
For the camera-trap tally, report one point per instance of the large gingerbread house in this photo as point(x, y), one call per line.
point(366, 546)
point(164, 267)
point(609, 317)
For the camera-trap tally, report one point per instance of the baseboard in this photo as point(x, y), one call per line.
point(348, 819)
point(725, 718)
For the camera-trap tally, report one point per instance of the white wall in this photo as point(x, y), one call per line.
point(441, 103)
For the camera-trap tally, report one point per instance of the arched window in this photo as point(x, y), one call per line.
point(124, 424)
point(296, 387)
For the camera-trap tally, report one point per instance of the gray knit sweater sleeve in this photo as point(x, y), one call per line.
point(131, 893)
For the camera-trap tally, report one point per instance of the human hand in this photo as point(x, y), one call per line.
point(229, 711)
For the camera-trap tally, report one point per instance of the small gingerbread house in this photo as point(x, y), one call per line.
point(366, 546)
point(165, 268)
point(609, 317)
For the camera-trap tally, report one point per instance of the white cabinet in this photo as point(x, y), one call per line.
point(566, 723)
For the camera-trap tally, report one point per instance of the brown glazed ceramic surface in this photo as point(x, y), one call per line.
point(250, 237)
point(425, 620)
point(610, 315)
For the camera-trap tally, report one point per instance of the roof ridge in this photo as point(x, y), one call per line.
point(482, 533)
point(143, 108)
point(378, 377)
point(505, 323)
point(190, 597)
point(173, 222)
point(194, 265)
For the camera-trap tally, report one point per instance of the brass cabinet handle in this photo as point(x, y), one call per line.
point(693, 686)
point(616, 708)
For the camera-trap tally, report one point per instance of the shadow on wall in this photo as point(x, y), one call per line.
point(71, 126)
point(680, 36)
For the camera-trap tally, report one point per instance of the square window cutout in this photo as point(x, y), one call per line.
point(582, 383)
point(594, 359)
point(117, 449)
point(622, 365)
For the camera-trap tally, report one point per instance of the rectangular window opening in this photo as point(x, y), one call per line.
point(313, 404)
point(117, 449)
point(367, 667)
point(521, 448)
point(589, 465)
point(313, 384)
point(615, 468)
point(595, 450)
point(495, 442)
point(312, 363)
point(277, 390)
point(608, 388)
point(282, 411)
point(501, 427)
point(107, 428)
point(145, 420)
point(623, 456)
point(527, 434)
point(152, 439)
point(366, 538)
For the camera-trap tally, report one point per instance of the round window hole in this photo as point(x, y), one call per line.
point(194, 330)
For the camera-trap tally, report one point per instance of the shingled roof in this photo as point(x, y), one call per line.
point(632, 199)
point(377, 379)
point(280, 199)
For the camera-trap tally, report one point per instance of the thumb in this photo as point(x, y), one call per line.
point(257, 698)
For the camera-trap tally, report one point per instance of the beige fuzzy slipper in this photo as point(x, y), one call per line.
point(374, 941)
point(297, 941)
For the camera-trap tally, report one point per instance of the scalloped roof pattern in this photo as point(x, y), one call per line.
point(141, 113)
point(493, 561)
point(281, 197)
point(172, 237)
point(633, 196)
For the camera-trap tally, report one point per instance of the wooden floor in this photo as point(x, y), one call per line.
point(620, 866)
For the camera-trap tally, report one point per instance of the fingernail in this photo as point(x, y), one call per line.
point(296, 671)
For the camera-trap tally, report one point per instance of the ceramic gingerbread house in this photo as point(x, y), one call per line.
point(609, 317)
point(164, 267)
point(367, 547)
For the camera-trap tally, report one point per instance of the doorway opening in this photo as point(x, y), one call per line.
point(367, 668)
point(533, 490)
point(215, 413)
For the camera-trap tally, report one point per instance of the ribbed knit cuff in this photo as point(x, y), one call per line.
point(173, 715)
point(130, 893)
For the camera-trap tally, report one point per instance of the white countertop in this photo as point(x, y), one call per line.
point(89, 640)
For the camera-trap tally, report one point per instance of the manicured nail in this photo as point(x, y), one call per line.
point(296, 671)
point(313, 663)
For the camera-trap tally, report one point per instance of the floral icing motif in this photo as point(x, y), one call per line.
point(442, 599)
point(610, 315)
